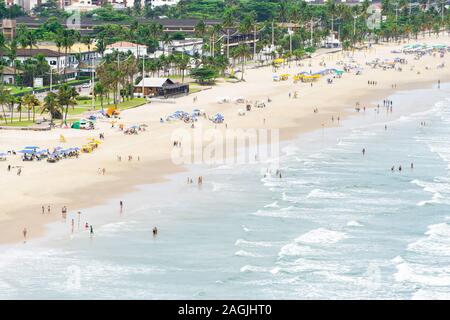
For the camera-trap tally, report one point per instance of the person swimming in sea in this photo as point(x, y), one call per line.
point(155, 231)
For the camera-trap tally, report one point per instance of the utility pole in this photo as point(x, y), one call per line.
point(213, 45)
point(290, 42)
point(254, 42)
point(116, 98)
point(143, 76)
point(92, 83)
point(228, 44)
point(332, 24)
point(273, 36)
point(396, 13)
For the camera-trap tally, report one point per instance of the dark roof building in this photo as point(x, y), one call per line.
point(33, 52)
point(87, 25)
point(160, 87)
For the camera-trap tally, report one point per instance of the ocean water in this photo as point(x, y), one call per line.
point(338, 225)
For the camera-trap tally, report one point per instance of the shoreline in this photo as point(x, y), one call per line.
point(156, 170)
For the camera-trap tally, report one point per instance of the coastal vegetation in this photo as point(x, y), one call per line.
point(292, 29)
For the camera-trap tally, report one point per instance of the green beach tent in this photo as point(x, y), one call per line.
point(76, 125)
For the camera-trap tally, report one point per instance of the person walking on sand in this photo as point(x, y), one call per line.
point(43, 209)
point(121, 205)
point(91, 231)
point(24, 232)
point(79, 219)
point(364, 151)
point(49, 209)
point(155, 231)
point(412, 165)
point(73, 225)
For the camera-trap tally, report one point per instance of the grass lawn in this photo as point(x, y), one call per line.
point(77, 111)
point(17, 123)
point(127, 104)
point(133, 103)
point(97, 102)
point(17, 89)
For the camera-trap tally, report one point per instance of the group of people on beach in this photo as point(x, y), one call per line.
point(338, 119)
point(372, 83)
point(400, 167)
point(87, 226)
point(295, 95)
point(19, 169)
point(130, 158)
point(177, 143)
point(199, 180)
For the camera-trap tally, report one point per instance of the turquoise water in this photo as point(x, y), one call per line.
point(338, 225)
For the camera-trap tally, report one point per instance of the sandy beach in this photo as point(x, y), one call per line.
point(76, 183)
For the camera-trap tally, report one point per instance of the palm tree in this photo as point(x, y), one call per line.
point(100, 90)
point(12, 55)
point(200, 28)
point(183, 63)
point(166, 41)
point(2, 48)
point(68, 39)
point(19, 101)
point(12, 100)
point(31, 101)
point(242, 52)
point(66, 98)
point(59, 45)
point(51, 105)
point(4, 94)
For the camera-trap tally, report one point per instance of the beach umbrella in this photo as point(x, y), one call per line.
point(27, 151)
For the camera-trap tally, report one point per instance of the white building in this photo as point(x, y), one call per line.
point(52, 57)
point(159, 3)
point(29, 5)
point(188, 45)
point(138, 50)
point(81, 5)
point(331, 41)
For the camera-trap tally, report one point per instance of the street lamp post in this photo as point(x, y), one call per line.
point(143, 76)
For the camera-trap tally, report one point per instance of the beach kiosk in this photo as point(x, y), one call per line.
point(160, 87)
